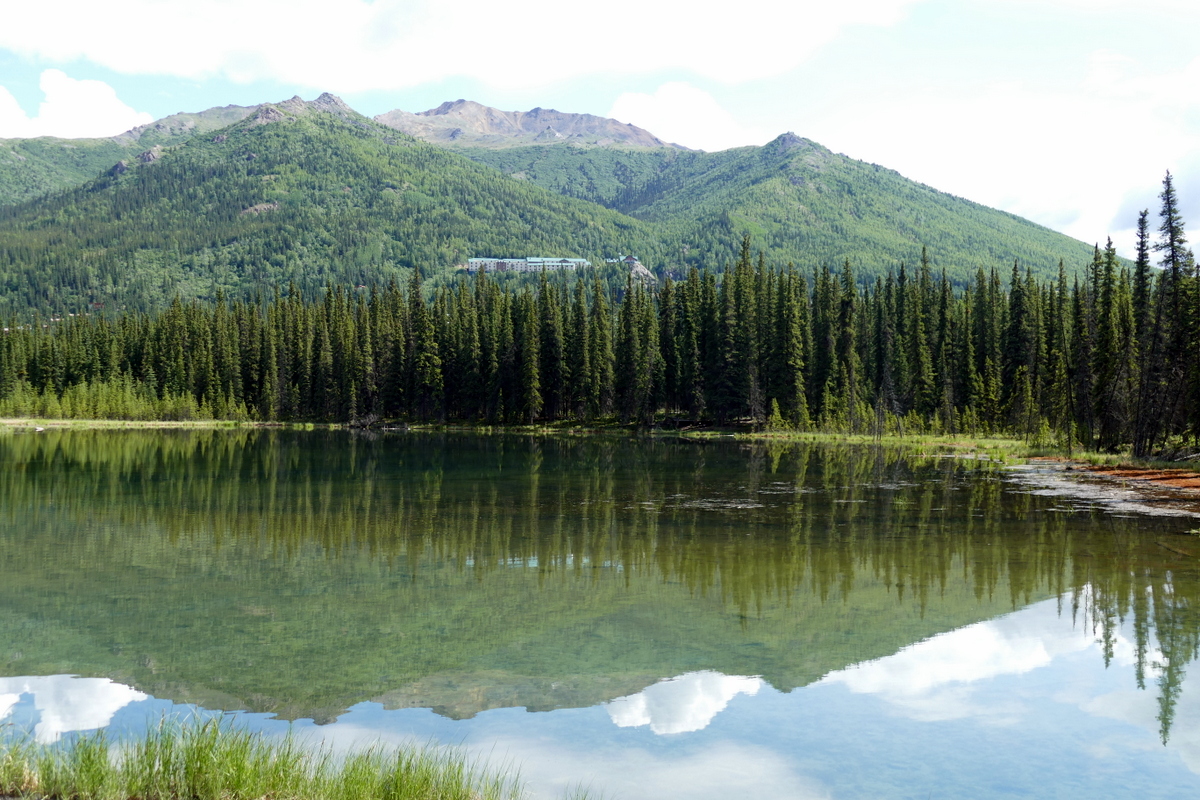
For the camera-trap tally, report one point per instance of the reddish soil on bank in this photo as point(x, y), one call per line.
point(1169, 478)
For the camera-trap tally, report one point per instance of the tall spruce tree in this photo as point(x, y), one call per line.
point(1162, 383)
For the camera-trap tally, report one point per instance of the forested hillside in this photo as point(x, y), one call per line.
point(314, 193)
point(304, 193)
point(1109, 361)
point(801, 202)
point(30, 168)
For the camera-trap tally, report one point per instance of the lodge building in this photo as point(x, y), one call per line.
point(525, 264)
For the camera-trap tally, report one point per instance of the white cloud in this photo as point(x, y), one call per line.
point(1072, 157)
point(1186, 8)
point(679, 112)
point(683, 704)
point(355, 45)
point(66, 703)
point(71, 109)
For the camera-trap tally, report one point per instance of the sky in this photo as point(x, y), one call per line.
point(1066, 112)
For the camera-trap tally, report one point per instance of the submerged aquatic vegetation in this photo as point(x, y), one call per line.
point(213, 761)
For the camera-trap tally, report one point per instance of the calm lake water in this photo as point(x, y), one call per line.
point(651, 618)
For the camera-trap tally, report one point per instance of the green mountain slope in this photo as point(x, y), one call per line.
point(314, 193)
point(800, 202)
point(32, 167)
point(619, 178)
point(304, 192)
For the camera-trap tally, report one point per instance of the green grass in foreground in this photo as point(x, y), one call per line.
point(210, 761)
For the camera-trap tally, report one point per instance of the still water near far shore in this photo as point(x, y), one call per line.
point(647, 618)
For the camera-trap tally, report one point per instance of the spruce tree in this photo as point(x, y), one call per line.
point(578, 353)
point(424, 359)
point(527, 350)
point(1141, 280)
point(1162, 382)
point(553, 369)
point(600, 385)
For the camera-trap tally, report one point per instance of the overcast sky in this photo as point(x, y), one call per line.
point(1067, 112)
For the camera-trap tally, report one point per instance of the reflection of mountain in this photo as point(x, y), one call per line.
point(462, 695)
point(300, 573)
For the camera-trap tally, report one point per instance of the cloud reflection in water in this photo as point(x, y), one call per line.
point(66, 703)
point(682, 704)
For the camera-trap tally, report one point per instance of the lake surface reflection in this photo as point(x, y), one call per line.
point(652, 618)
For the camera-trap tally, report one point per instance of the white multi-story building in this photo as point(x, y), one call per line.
point(525, 264)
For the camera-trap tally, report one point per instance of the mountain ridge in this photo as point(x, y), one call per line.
point(33, 167)
point(464, 123)
point(799, 200)
point(314, 192)
point(299, 192)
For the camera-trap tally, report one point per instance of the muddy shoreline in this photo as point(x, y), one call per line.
point(1181, 479)
point(1115, 489)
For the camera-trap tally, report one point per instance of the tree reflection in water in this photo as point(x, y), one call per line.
point(302, 572)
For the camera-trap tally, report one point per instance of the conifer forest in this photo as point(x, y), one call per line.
point(1108, 358)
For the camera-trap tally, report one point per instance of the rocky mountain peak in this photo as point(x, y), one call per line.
point(467, 123)
point(788, 141)
point(451, 107)
point(332, 104)
point(268, 113)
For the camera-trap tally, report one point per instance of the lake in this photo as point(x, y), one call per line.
point(644, 618)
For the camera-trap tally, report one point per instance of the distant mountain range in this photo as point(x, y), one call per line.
point(244, 198)
point(463, 123)
point(32, 167)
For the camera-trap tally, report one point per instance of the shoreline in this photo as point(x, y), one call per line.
point(1154, 491)
point(1182, 480)
point(1102, 466)
point(26, 423)
point(997, 444)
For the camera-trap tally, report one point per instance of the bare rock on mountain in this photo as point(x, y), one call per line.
point(268, 114)
point(296, 107)
point(260, 208)
point(640, 273)
point(151, 155)
point(333, 104)
point(469, 124)
point(549, 135)
point(788, 141)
